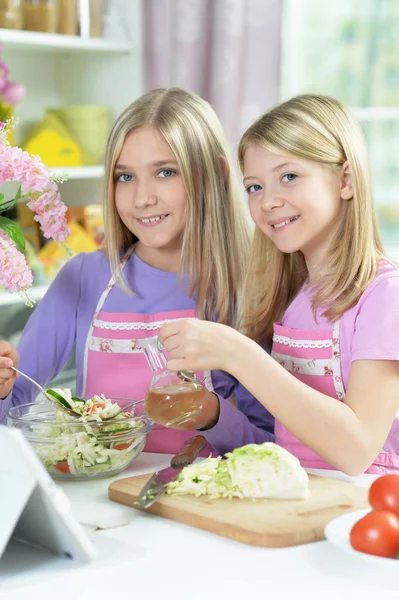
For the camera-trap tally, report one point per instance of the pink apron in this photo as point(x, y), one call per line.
point(314, 358)
point(116, 367)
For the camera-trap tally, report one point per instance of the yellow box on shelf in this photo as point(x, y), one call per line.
point(53, 255)
point(89, 125)
point(52, 141)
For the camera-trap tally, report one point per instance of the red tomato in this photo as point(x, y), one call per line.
point(122, 446)
point(62, 466)
point(384, 493)
point(94, 407)
point(377, 533)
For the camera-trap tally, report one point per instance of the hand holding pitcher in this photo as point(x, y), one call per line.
point(177, 400)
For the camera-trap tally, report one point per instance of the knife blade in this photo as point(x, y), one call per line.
point(157, 484)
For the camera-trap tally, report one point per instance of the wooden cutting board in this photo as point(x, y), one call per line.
point(271, 523)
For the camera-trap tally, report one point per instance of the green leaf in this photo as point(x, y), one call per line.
point(13, 231)
point(6, 205)
point(18, 194)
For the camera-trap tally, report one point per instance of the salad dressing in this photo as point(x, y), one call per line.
point(175, 404)
point(172, 399)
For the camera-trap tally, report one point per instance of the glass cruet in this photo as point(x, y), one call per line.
point(172, 399)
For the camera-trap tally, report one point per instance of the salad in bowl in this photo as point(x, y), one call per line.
point(85, 446)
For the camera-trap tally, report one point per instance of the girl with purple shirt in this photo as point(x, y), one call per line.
point(177, 238)
point(319, 289)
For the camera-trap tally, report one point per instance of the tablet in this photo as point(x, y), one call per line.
point(33, 509)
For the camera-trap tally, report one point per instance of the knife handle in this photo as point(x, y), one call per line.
point(192, 447)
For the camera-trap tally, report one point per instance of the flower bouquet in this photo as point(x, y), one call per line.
point(40, 190)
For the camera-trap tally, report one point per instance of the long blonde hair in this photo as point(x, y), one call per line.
point(216, 239)
point(317, 128)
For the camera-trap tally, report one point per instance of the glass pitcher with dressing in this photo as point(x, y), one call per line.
point(172, 399)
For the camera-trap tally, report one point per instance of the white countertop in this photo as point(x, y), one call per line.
point(144, 556)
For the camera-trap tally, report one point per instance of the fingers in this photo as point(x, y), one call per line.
point(172, 344)
point(178, 364)
point(5, 362)
point(6, 349)
point(7, 376)
point(186, 343)
point(9, 357)
point(170, 336)
point(168, 330)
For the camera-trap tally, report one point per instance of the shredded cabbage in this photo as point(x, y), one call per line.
point(96, 408)
point(88, 447)
point(253, 471)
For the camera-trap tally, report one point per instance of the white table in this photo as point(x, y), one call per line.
point(142, 556)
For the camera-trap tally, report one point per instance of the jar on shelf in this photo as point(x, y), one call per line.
point(68, 17)
point(11, 14)
point(91, 18)
point(96, 18)
point(41, 15)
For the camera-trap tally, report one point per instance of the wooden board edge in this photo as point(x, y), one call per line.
point(267, 540)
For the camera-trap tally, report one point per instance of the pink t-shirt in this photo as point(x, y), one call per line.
point(368, 330)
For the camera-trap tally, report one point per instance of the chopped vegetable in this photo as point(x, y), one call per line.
point(79, 446)
point(96, 408)
point(253, 471)
point(62, 466)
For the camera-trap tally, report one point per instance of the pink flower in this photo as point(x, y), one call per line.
point(105, 345)
point(4, 70)
point(15, 274)
point(42, 193)
point(43, 198)
point(6, 173)
point(13, 93)
point(43, 202)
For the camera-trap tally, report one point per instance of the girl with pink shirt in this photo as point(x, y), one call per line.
point(319, 290)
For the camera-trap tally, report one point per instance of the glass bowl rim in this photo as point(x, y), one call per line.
point(149, 424)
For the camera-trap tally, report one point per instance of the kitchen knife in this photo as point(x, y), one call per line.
point(157, 484)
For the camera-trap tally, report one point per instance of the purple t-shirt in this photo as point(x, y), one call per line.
point(368, 330)
point(62, 319)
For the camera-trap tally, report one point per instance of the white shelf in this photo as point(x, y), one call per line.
point(35, 293)
point(89, 172)
point(54, 42)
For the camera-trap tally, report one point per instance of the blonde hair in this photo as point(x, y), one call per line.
point(216, 239)
point(316, 128)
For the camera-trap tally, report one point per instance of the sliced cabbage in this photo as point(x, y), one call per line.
point(208, 477)
point(88, 447)
point(253, 471)
point(96, 408)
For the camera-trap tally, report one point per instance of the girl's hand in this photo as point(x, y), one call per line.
point(198, 345)
point(9, 357)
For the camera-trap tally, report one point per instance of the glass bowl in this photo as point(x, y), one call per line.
point(71, 449)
